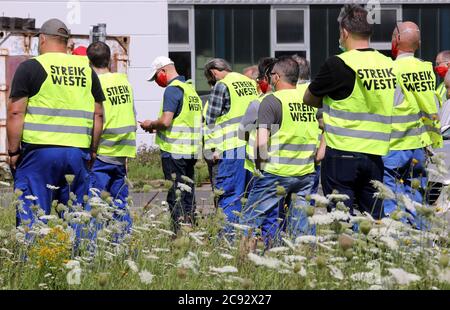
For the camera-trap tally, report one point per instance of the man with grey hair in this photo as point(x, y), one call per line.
point(230, 97)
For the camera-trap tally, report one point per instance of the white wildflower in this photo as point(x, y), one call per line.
point(306, 239)
point(224, 269)
point(408, 203)
point(384, 192)
point(226, 256)
point(444, 276)
point(279, 249)
point(294, 258)
point(289, 243)
point(31, 197)
point(52, 187)
point(48, 217)
point(190, 262)
point(185, 188)
point(4, 183)
point(402, 277)
point(151, 257)
point(132, 265)
point(367, 277)
point(165, 231)
point(71, 264)
point(338, 197)
point(6, 251)
point(74, 276)
point(187, 179)
point(206, 253)
point(336, 272)
point(161, 250)
point(320, 200)
point(44, 231)
point(146, 277)
point(376, 287)
point(240, 226)
point(302, 272)
point(390, 242)
point(235, 278)
point(266, 261)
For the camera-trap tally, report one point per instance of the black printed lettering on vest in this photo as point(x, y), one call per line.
point(301, 113)
point(244, 88)
point(118, 94)
point(68, 76)
point(418, 81)
point(377, 79)
point(194, 103)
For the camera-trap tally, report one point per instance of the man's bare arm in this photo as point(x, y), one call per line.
point(262, 140)
point(14, 122)
point(311, 100)
point(162, 123)
point(98, 126)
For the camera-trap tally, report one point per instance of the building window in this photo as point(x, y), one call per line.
point(181, 39)
point(290, 30)
point(382, 32)
point(238, 33)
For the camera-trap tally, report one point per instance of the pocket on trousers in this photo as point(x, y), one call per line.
point(344, 167)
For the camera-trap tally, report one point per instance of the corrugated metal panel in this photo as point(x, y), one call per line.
point(17, 47)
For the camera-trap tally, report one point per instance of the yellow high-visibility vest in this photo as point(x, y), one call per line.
point(291, 149)
point(62, 112)
point(242, 91)
point(415, 122)
point(184, 136)
point(362, 121)
point(119, 126)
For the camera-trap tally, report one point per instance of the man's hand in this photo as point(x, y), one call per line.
point(13, 161)
point(215, 157)
point(147, 126)
point(92, 160)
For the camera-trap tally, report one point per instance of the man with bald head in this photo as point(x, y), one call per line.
point(441, 69)
point(415, 124)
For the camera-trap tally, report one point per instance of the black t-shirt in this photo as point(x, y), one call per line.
point(335, 79)
point(27, 81)
point(30, 75)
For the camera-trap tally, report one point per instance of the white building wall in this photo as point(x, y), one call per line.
point(145, 21)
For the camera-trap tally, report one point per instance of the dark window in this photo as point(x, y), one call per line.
point(290, 26)
point(289, 53)
point(383, 32)
point(179, 26)
point(240, 34)
point(182, 62)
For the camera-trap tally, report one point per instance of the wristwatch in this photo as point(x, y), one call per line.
point(15, 153)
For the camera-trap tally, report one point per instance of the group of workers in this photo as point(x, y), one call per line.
point(363, 118)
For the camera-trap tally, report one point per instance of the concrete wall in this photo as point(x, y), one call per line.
point(145, 21)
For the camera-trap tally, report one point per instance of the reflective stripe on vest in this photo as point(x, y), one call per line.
point(242, 91)
point(62, 112)
point(291, 149)
point(362, 121)
point(119, 126)
point(184, 136)
point(415, 105)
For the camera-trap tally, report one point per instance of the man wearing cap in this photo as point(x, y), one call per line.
point(54, 124)
point(178, 134)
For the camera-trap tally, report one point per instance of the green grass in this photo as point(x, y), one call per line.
point(341, 259)
point(146, 167)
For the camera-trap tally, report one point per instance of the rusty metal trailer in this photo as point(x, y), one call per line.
point(17, 45)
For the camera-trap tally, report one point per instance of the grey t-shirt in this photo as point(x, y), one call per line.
point(270, 114)
point(444, 114)
point(112, 160)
